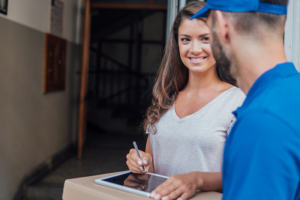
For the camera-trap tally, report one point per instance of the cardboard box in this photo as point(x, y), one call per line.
point(85, 189)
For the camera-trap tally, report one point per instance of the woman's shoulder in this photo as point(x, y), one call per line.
point(236, 91)
point(232, 90)
point(236, 95)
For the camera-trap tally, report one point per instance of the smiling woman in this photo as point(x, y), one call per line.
point(186, 37)
point(191, 113)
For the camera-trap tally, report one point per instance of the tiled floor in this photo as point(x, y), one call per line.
point(103, 153)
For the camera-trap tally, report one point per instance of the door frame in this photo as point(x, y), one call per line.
point(84, 77)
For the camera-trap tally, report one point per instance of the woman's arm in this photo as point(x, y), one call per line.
point(209, 181)
point(149, 151)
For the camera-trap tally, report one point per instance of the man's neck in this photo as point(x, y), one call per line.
point(252, 60)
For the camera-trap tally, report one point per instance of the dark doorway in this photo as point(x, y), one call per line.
point(125, 53)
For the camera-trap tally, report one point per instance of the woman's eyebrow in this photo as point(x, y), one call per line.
point(204, 34)
point(184, 35)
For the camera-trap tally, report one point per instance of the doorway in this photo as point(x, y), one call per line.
point(125, 53)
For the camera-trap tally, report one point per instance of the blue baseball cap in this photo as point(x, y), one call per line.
point(241, 6)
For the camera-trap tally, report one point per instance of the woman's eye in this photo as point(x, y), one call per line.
point(185, 40)
point(205, 39)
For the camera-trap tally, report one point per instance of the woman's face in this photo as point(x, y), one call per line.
point(194, 48)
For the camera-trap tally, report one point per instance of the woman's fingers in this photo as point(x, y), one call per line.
point(179, 193)
point(171, 192)
point(134, 156)
point(178, 186)
point(184, 196)
point(174, 194)
point(137, 165)
point(165, 186)
point(134, 167)
point(134, 163)
point(146, 159)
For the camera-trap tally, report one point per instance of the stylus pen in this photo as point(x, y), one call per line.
point(137, 151)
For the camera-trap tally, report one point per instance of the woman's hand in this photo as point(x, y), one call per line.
point(179, 187)
point(134, 163)
point(184, 186)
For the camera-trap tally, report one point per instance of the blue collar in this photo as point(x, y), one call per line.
point(279, 71)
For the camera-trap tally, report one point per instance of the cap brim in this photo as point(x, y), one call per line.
point(201, 13)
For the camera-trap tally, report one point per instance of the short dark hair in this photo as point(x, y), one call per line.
point(247, 22)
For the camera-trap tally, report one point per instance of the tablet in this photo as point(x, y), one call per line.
point(141, 184)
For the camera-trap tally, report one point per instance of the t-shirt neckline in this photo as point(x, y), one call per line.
point(177, 119)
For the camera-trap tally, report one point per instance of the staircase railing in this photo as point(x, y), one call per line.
point(114, 83)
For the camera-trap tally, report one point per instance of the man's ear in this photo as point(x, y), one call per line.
point(222, 27)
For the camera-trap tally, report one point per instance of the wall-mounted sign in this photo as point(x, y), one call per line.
point(57, 7)
point(55, 63)
point(3, 6)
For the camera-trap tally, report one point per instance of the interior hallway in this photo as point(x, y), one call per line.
point(103, 153)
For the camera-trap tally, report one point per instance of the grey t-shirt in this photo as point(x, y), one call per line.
point(195, 142)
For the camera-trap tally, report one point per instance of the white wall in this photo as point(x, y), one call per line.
point(36, 14)
point(292, 33)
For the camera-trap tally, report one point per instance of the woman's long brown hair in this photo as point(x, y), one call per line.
point(173, 74)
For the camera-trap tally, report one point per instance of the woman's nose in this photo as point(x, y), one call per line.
point(196, 49)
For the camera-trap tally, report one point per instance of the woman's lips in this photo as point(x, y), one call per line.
point(197, 60)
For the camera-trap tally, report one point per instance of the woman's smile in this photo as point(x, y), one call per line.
point(197, 60)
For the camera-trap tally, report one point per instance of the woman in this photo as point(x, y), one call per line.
point(191, 112)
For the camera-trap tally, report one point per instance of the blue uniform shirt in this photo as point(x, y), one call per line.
point(262, 151)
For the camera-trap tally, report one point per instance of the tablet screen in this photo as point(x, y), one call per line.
point(143, 182)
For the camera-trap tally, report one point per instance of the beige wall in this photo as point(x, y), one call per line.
point(33, 126)
point(36, 15)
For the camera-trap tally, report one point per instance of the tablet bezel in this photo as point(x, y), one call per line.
point(101, 181)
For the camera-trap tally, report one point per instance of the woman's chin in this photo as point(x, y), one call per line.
point(197, 69)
